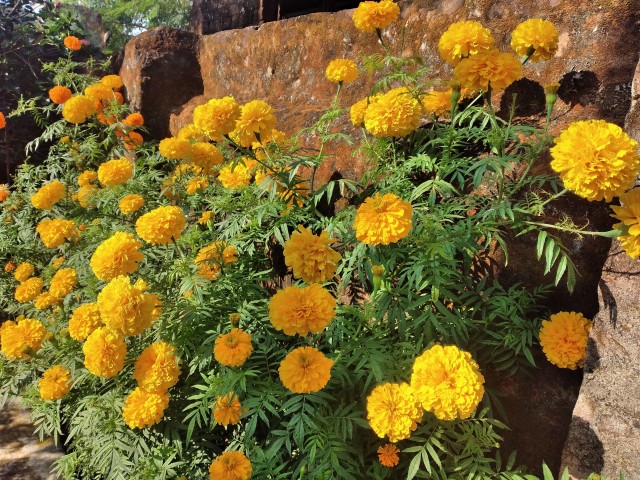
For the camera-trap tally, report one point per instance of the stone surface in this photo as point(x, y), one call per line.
point(209, 16)
point(22, 456)
point(632, 122)
point(604, 436)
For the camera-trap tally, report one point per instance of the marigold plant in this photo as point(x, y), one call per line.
point(55, 383)
point(563, 339)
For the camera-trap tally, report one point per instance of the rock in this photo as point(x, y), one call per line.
point(215, 16)
point(632, 122)
point(160, 71)
point(604, 436)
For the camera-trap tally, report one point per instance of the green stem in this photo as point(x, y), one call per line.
point(609, 234)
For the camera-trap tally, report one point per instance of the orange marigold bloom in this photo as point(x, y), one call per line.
point(87, 178)
point(196, 184)
point(72, 42)
point(48, 195)
point(305, 370)
point(388, 455)
point(394, 114)
point(341, 70)
point(310, 256)
point(104, 352)
point(113, 82)
point(205, 217)
point(232, 349)
point(117, 255)
point(4, 192)
point(296, 310)
point(371, 16)
point(132, 140)
point(238, 176)
point(10, 267)
point(131, 203)
point(382, 220)
point(393, 410)
point(60, 94)
point(174, 148)
point(3, 121)
point(63, 282)
point(20, 339)
point(488, 68)
point(563, 339)
point(157, 368)
point(629, 216)
point(45, 300)
point(204, 156)
point(228, 410)
point(54, 232)
point(210, 259)
point(537, 34)
point(231, 466)
point(126, 308)
point(23, 271)
point(115, 172)
point(217, 117)
point(55, 383)
point(161, 225)
point(134, 119)
point(29, 289)
point(256, 120)
point(143, 409)
point(78, 109)
point(437, 103)
point(464, 39)
point(84, 320)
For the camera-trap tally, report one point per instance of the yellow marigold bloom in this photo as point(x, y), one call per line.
point(305, 310)
point(239, 176)
point(595, 159)
point(60, 94)
point(447, 382)
point(210, 259)
point(310, 256)
point(231, 466)
point(382, 220)
point(131, 203)
point(143, 409)
point(370, 16)
point(54, 232)
point(99, 93)
point(78, 109)
point(84, 320)
point(217, 117)
point(358, 109)
point(192, 133)
point(20, 339)
point(72, 42)
point(394, 114)
point(115, 172)
point(29, 289)
point(256, 120)
point(104, 352)
point(388, 455)
point(117, 255)
point(57, 263)
point(437, 103)
point(341, 70)
point(228, 410)
point(157, 368)
point(45, 300)
point(114, 82)
point(196, 184)
point(305, 370)
point(24, 271)
point(629, 216)
point(85, 196)
point(464, 39)
point(232, 349)
point(63, 282)
point(393, 410)
point(125, 308)
point(563, 339)
point(541, 35)
point(204, 156)
point(48, 195)
point(55, 383)
point(205, 217)
point(490, 67)
point(174, 148)
point(87, 178)
point(161, 225)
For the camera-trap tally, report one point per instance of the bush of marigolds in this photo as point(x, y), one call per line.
point(186, 309)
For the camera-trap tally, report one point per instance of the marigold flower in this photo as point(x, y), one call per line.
point(114, 82)
point(232, 349)
point(100, 94)
point(256, 120)
point(358, 109)
point(3, 121)
point(196, 184)
point(48, 195)
point(115, 172)
point(535, 33)
point(72, 42)
point(563, 339)
point(104, 352)
point(393, 410)
point(191, 133)
point(382, 220)
point(60, 94)
point(125, 308)
point(20, 339)
point(595, 159)
point(78, 109)
point(84, 320)
point(388, 455)
point(29, 289)
point(217, 117)
point(143, 409)
point(228, 410)
point(204, 156)
point(24, 271)
point(464, 39)
point(305, 370)
point(447, 382)
point(131, 203)
point(45, 300)
point(57, 263)
point(310, 256)
point(63, 282)
point(305, 310)
point(231, 466)
point(437, 103)
point(210, 258)
point(134, 120)
point(54, 232)
point(205, 217)
point(341, 70)
point(117, 255)
point(87, 178)
point(157, 369)
point(132, 140)
point(629, 216)
point(174, 148)
point(85, 196)
point(161, 225)
point(239, 176)
point(489, 68)
point(394, 114)
point(4, 192)
point(10, 267)
point(55, 383)
point(371, 16)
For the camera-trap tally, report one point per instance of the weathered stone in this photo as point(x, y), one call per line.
point(160, 71)
point(632, 122)
point(215, 16)
point(605, 430)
